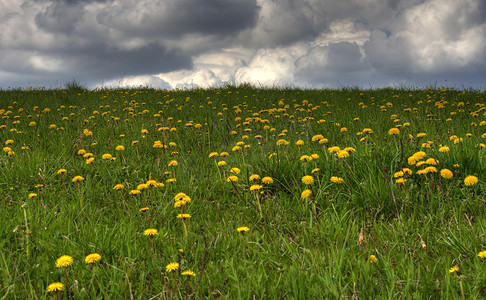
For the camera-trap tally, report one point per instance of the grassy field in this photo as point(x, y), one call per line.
point(242, 193)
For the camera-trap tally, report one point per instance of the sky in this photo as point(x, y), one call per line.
point(267, 43)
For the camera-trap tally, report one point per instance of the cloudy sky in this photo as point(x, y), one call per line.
point(299, 43)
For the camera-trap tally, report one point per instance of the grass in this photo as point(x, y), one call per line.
point(316, 247)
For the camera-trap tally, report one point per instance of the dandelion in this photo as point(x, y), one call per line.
point(308, 180)
point(32, 195)
point(444, 149)
point(134, 192)
point(267, 180)
point(64, 261)
point(173, 163)
point(213, 154)
point(254, 177)
point(299, 143)
point(315, 170)
point(188, 273)
point(106, 156)
point(92, 258)
point(305, 194)
point(305, 158)
point(151, 232)
point(120, 148)
point(61, 171)
point(482, 254)
point(232, 178)
point(172, 267)
point(183, 216)
point(454, 269)
point(77, 178)
point(221, 163)
point(242, 229)
point(393, 131)
point(470, 180)
point(282, 142)
point(446, 173)
point(143, 209)
point(235, 170)
point(342, 154)
point(337, 179)
point(255, 187)
point(55, 287)
point(373, 259)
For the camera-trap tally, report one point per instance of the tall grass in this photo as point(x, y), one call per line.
point(401, 211)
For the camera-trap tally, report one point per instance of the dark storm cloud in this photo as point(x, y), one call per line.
point(172, 18)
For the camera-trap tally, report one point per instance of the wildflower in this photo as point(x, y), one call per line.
point(235, 170)
point(172, 267)
point(221, 163)
point(142, 186)
point(151, 182)
point(470, 180)
point(77, 178)
point(446, 173)
point(242, 229)
point(213, 154)
point(32, 195)
point(305, 158)
point(232, 178)
point(223, 154)
point(431, 161)
point(454, 269)
point(373, 259)
point(173, 163)
point(254, 177)
point(55, 287)
point(305, 194)
point(394, 131)
point(64, 261)
point(119, 148)
point(143, 209)
point(90, 160)
point(482, 254)
point(107, 156)
point(299, 143)
point(92, 258)
point(317, 137)
point(255, 187)
point(171, 180)
point(134, 192)
point(236, 148)
point(398, 174)
point(183, 216)
point(81, 152)
point(337, 179)
point(444, 149)
point(151, 232)
point(61, 171)
point(342, 154)
point(267, 180)
point(282, 142)
point(333, 149)
point(401, 180)
point(308, 179)
point(315, 170)
point(188, 273)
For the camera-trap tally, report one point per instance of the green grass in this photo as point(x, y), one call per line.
point(296, 248)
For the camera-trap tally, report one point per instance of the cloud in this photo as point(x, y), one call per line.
point(308, 43)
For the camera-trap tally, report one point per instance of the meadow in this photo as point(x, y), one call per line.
point(242, 193)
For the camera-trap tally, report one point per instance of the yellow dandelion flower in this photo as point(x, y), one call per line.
point(107, 156)
point(470, 180)
point(172, 267)
point(337, 179)
point(232, 178)
point(64, 261)
point(255, 187)
point(242, 229)
point(308, 180)
point(92, 258)
point(282, 142)
point(143, 209)
point(446, 173)
point(394, 131)
point(119, 148)
point(188, 273)
point(61, 171)
point(134, 192)
point(183, 216)
point(267, 180)
point(221, 163)
point(151, 232)
point(315, 170)
point(305, 158)
point(444, 149)
point(213, 154)
point(254, 177)
point(373, 259)
point(173, 163)
point(77, 178)
point(454, 269)
point(224, 154)
point(305, 194)
point(342, 154)
point(299, 143)
point(235, 170)
point(55, 287)
point(32, 195)
point(482, 254)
